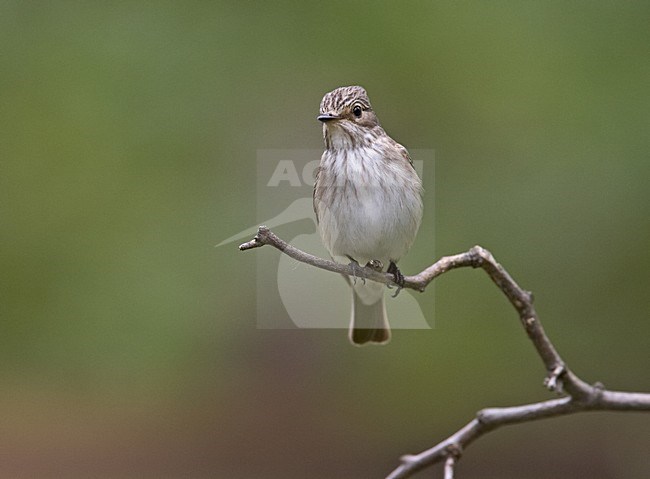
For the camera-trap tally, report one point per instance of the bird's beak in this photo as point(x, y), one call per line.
point(327, 117)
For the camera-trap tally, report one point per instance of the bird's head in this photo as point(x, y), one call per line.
point(347, 116)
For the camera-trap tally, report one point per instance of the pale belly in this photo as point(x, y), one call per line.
point(373, 215)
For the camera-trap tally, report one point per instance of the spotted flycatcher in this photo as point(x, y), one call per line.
point(368, 203)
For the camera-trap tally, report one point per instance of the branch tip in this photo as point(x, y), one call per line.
point(553, 381)
point(260, 239)
point(254, 243)
point(531, 297)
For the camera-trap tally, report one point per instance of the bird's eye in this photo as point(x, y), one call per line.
point(357, 111)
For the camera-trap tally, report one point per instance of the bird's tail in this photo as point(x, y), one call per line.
point(369, 323)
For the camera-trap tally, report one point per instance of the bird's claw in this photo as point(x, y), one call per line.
point(356, 268)
point(398, 277)
point(375, 265)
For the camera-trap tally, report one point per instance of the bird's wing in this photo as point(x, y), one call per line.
point(403, 152)
point(313, 195)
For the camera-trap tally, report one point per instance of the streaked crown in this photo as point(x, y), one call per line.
point(337, 101)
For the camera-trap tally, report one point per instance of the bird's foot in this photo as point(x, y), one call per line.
point(399, 277)
point(375, 265)
point(356, 269)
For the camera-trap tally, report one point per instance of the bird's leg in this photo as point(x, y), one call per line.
point(355, 269)
point(399, 277)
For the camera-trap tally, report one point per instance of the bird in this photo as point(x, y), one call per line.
point(368, 203)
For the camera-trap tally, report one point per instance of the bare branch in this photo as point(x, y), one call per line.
point(578, 395)
point(265, 236)
point(449, 467)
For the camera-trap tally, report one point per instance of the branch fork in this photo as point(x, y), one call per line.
point(577, 395)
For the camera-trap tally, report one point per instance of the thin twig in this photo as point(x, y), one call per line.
point(449, 467)
point(578, 395)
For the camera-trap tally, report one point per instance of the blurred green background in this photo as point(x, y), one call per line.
point(128, 343)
